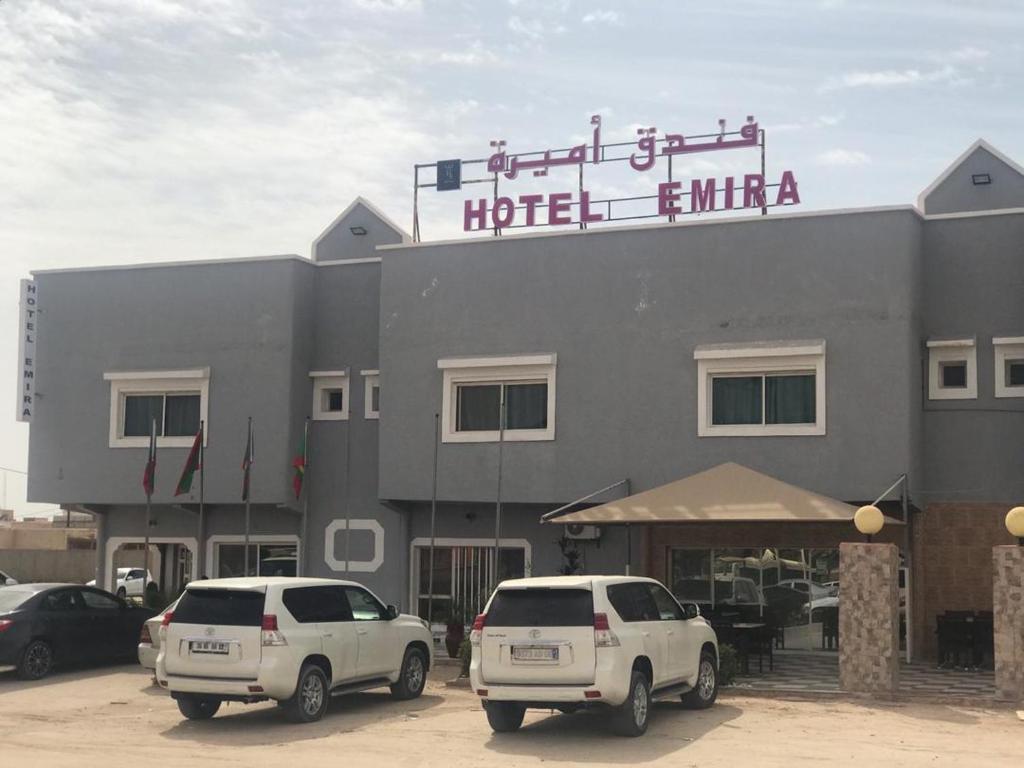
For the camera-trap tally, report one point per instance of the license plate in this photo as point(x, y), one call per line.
point(534, 653)
point(208, 646)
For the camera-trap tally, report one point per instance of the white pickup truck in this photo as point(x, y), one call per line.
point(295, 640)
point(568, 642)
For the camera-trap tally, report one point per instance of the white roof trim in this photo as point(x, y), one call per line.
point(351, 206)
point(189, 373)
point(347, 262)
point(496, 361)
point(325, 374)
point(162, 264)
point(973, 214)
point(940, 343)
point(998, 341)
point(370, 372)
point(759, 349)
point(979, 144)
point(692, 222)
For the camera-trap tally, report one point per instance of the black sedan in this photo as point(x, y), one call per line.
point(43, 625)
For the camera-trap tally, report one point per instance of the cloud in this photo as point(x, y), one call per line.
point(610, 18)
point(890, 78)
point(533, 29)
point(821, 121)
point(969, 53)
point(475, 55)
point(389, 6)
point(843, 158)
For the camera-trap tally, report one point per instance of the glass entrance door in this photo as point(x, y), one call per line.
point(463, 579)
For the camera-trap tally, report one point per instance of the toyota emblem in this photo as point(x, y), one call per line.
point(211, 631)
point(534, 634)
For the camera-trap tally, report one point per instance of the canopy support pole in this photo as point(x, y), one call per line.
point(629, 550)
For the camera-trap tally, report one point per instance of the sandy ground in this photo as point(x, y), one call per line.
point(113, 717)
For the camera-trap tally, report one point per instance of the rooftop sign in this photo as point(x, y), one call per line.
point(670, 198)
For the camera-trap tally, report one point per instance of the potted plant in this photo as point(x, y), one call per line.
point(456, 631)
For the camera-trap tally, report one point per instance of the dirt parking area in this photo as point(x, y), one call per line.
point(114, 717)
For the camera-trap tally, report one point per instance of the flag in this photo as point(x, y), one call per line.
point(299, 464)
point(149, 475)
point(191, 465)
point(247, 461)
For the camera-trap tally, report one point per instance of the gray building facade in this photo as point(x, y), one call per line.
point(834, 350)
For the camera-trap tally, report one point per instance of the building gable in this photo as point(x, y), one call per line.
point(981, 179)
point(356, 233)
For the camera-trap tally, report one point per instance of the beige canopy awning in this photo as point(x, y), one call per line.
point(726, 493)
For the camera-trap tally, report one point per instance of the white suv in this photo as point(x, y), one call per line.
point(295, 640)
point(568, 642)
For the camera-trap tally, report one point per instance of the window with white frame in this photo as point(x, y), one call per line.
point(371, 394)
point(761, 389)
point(330, 395)
point(952, 369)
point(1009, 356)
point(175, 401)
point(478, 389)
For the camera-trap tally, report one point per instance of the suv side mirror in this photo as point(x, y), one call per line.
point(690, 610)
point(392, 613)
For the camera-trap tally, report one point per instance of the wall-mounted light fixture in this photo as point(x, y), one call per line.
point(357, 230)
point(980, 178)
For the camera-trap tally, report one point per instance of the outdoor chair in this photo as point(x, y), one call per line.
point(955, 638)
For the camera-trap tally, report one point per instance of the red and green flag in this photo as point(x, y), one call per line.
point(192, 463)
point(299, 465)
point(149, 475)
point(247, 462)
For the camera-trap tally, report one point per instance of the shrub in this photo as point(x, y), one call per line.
point(465, 655)
point(728, 664)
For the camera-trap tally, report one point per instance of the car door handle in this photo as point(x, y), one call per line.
point(670, 632)
point(329, 635)
point(360, 631)
point(646, 634)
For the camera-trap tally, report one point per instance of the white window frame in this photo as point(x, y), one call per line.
point(1007, 348)
point(214, 542)
point(460, 371)
point(186, 381)
point(371, 379)
point(952, 351)
point(324, 380)
point(760, 358)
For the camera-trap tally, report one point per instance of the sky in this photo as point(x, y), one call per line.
point(158, 130)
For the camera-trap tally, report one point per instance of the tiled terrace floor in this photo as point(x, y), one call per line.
point(818, 672)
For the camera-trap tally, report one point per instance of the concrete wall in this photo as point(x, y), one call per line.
point(75, 566)
point(624, 312)
point(958, 193)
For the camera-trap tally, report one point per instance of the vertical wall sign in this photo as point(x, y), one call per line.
point(27, 322)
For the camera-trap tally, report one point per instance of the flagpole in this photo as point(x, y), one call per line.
point(433, 536)
point(348, 471)
point(497, 511)
point(200, 555)
point(305, 502)
point(149, 497)
point(248, 494)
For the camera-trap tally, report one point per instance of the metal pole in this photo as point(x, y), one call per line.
point(433, 530)
point(629, 549)
point(248, 494)
point(415, 203)
point(348, 471)
point(200, 554)
point(149, 512)
point(764, 196)
point(497, 510)
point(304, 524)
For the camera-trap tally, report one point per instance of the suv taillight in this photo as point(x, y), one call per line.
point(603, 635)
point(144, 636)
point(478, 627)
point(167, 618)
point(270, 634)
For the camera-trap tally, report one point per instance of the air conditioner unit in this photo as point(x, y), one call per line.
point(582, 532)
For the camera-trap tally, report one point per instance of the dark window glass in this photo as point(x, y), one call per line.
point(181, 416)
point(375, 398)
point(668, 608)
point(789, 399)
point(954, 375)
point(231, 560)
point(363, 605)
point(223, 607)
point(736, 400)
point(99, 601)
point(334, 400)
point(526, 406)
point(690, 575)
point(477, 407)
point(317, 604)
point(633, 602)
point(541, 608)
point(1015, 373)
point(139, 413)
point(61, 600)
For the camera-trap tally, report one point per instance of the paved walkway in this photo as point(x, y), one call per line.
point(818, 672)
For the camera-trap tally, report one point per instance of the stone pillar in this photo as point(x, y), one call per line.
point(1008, 616)
point(869, 645)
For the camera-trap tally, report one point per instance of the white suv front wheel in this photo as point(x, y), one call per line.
point(705, 691)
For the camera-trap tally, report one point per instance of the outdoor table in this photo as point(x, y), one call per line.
point(753, 633)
